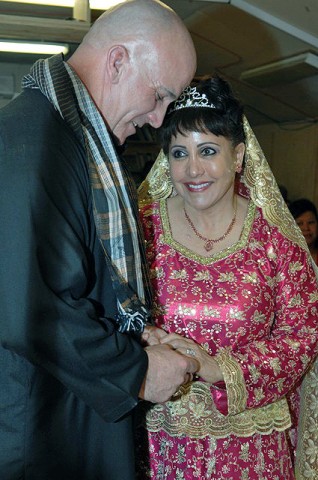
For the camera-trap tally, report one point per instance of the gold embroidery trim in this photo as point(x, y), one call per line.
point(264, 190)
point(234, 380)
point(169, 240)
point(307, 446)
point(158, 182)
point(194, 414)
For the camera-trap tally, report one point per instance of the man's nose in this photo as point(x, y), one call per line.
point(157, 115)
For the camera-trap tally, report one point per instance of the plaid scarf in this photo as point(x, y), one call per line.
point(114, 197)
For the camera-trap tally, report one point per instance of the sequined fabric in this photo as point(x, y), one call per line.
point(254, 306)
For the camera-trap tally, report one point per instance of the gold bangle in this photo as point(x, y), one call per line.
point(182, 390)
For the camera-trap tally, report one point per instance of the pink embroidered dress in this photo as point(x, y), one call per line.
point(253, 306)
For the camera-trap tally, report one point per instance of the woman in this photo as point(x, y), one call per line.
point(234, 288)
point(306, 216)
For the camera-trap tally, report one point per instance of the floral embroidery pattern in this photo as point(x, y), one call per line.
point(254, 307)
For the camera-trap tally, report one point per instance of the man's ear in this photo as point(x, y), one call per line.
point(117, 59)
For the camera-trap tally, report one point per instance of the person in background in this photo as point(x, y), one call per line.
point(235, 288)
point(74, 293)
point(283, 190)
point(306, 216)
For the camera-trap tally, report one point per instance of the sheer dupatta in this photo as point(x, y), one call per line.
point(257, 182)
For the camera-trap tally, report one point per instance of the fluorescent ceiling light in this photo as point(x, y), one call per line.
point(35, 48)
point(94, 4)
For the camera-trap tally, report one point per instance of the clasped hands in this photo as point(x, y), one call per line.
point(156, 336)
point(173, 361)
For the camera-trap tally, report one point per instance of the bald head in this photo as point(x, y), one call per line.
point(132, 23)
point(134, 52)
point(135, 18)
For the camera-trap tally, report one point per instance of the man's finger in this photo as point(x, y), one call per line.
point(194, 365)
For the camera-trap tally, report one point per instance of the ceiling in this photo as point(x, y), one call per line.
point(231, 37)
point(235, 36)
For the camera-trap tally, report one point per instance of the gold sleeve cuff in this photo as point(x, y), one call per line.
point(194, 414)
point(234, 380)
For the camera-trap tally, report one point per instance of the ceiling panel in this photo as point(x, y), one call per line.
point(230, 40)
point(299, 13)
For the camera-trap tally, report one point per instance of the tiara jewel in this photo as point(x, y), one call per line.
point(189, 98)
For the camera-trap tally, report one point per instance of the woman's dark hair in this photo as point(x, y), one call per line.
point(226, 119)
point(302, 205)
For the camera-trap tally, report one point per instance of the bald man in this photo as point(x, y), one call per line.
point(74, 290)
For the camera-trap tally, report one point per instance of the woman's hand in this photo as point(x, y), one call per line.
point(209, 369)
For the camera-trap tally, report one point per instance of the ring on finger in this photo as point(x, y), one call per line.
point(190, 351)
point(178, 393)
point(182, 390)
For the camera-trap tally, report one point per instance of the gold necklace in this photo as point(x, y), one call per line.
point(208, 245)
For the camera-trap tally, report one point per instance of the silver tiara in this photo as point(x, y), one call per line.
point(189, 98)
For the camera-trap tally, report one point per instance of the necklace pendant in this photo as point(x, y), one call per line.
point(208, 245)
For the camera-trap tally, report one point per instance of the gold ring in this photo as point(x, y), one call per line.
point(184, 388)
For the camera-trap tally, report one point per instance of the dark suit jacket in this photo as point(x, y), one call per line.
point(68, 380)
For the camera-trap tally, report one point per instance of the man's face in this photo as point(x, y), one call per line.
point(154, 79)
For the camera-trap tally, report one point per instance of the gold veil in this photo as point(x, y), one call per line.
point(257, 182)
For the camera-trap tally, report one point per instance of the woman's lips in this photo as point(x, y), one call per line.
point(197, 187)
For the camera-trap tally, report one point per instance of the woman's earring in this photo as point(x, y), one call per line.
point(238, 168)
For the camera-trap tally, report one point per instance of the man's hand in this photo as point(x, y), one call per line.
point(167, 371)
point(152, 335)
point(208, 370)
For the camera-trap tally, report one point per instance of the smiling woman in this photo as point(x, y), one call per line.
point(235, 288)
